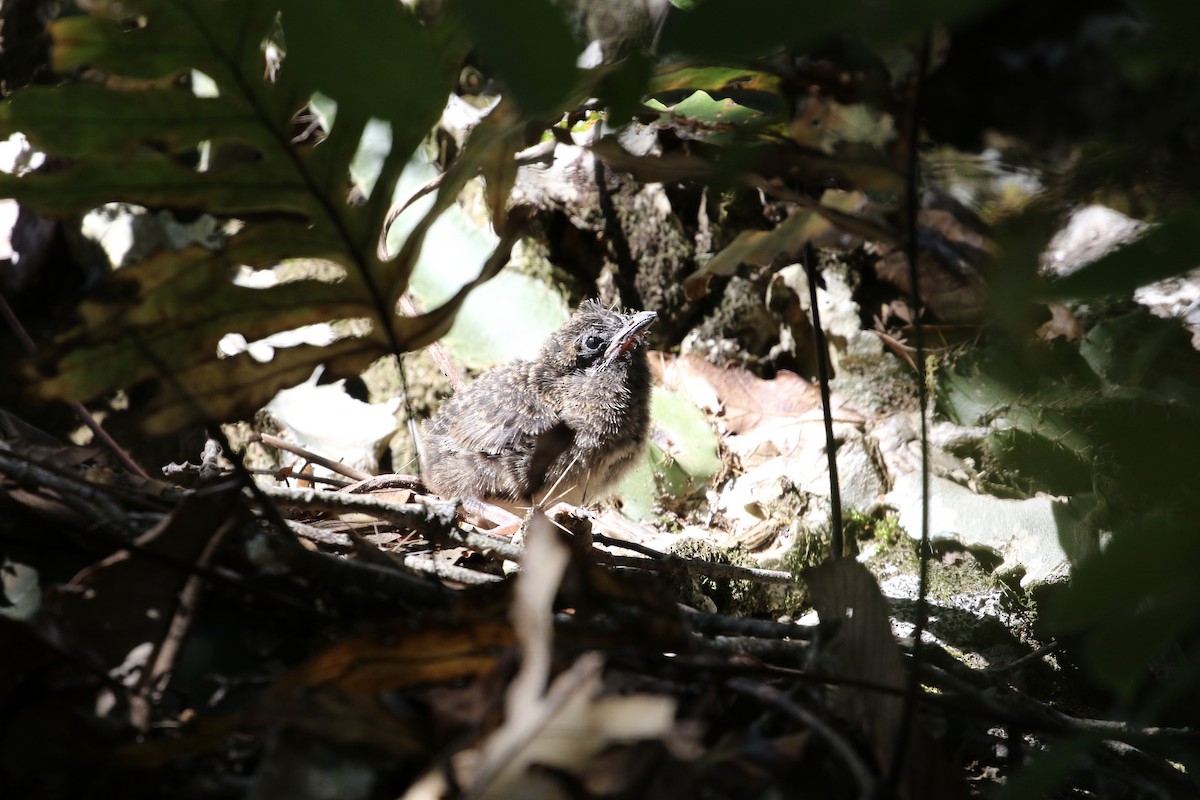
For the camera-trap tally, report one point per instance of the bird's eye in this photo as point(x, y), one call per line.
point(593, 342)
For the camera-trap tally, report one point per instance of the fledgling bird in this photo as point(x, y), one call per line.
point(565, 426)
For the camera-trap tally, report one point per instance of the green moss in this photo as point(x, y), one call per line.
point(950, 575)
point(812, 547)
point(742, 598)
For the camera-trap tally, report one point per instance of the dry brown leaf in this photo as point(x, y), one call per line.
point(764, 417)
point(950, 259)
point(845, 594)
point(399, 656)
point(1062, 323)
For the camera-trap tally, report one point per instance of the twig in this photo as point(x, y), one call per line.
point(1028, 658)
point(840, 744)
point(436, 351)
point(765, 650)
point(120, 530)
point(321, 569)
point(338, 467)
point(673, 565)
point(659, 561)
point(449, 572)
point(383, 482)
point(831, 444)
point(188, 468)
point(75, 493)
point(435, 520)
point(153, 680)
point(706, 623)
point(1014, 707)
point(912, 251)
point(649, 552)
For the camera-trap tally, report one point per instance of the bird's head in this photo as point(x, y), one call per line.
point(595, 340)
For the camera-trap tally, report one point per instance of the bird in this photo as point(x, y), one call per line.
point(564, 426)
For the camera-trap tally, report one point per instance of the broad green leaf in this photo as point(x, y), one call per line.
point(700, 116)
point(172, 119)
point(529, 46)
point(681, 459)
point(687, 435)
point(374, 59)
point(135, 135)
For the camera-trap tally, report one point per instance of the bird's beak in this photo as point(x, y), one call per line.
point(630, 336)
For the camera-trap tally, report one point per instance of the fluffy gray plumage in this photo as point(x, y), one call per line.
point(565, 426)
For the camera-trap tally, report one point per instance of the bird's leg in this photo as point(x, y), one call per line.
point(505, 522)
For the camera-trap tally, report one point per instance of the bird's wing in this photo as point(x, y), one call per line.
point(496, 421)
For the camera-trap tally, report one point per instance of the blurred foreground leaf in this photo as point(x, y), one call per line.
point(137, 134)
point(1133, 601)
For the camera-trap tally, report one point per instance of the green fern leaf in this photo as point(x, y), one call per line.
point(130, 130)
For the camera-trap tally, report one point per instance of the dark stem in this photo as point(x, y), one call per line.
point(831, 446)
point(911, 209)
point(626, 273)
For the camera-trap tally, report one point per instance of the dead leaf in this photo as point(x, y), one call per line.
point(759, 248)
point(563, 723)
point(764, 417)
point(1062, 323)
point(845, 594)
point(950, 258)
point(782, 244)
point(400, 656)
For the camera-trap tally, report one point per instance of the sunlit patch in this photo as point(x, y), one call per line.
point(321, 334)
point(299, 269)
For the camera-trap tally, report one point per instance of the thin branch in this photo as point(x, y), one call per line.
point(673, 565)
point(436, 520)
point(912, 252)
point(342, 469)
point(841, 744)
point(712, 624)
point(835, 490)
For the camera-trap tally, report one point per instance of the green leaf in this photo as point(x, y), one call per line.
point(169, 118)
point(686, 435)
point(374, 59)
point(529, 46)
point(681, 459)
point(135, 135)
point(714, 121)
